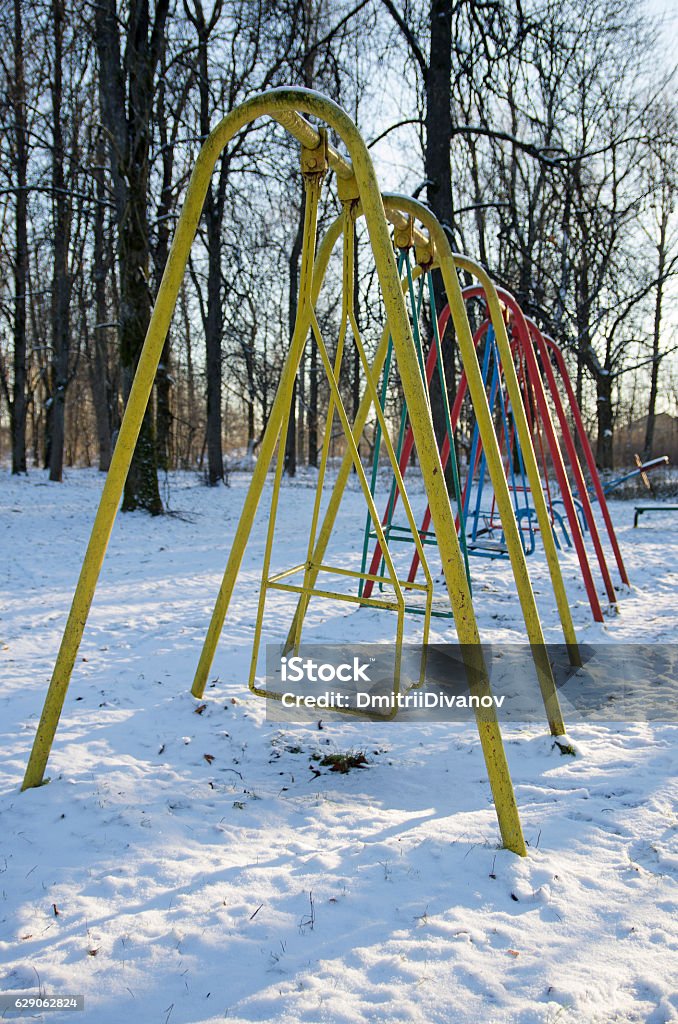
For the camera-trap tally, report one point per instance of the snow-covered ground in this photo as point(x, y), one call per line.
point(199, 867)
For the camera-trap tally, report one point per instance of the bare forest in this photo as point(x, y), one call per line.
point(542, 134)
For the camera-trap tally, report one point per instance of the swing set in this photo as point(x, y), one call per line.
point(422, 246)
point(534, 356)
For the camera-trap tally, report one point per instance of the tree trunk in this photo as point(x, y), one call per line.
point(163, 376)
point(141, 486)
point(99, 369)
point(213, 335)
point(656, 333)
point(127, 121)
point(19, 403)
point(604, 384)
point(213, 215)
point(291, 439)
point(438, 85)
point(312, 418)
point(248, 352)
point(310, 17)
point(163, 408)
point(191, 418)
point(61, 280)
point(302, 402)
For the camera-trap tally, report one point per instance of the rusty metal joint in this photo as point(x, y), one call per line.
point(425, 255)
point(315, 162)
point(347, 190)
point(404, 236)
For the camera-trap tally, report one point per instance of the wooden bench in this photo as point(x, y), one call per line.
point(641, 509)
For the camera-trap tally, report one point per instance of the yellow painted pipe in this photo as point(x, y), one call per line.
point(495, 466)
point(281, 403)
point(429, 457)
point(351, 212)
point(530, 459)
point(275, 103)
point(436, 239)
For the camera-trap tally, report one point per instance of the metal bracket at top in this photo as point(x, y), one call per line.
point(347, 190)
point(425, 255)
point(315, 162)
point(404, 237)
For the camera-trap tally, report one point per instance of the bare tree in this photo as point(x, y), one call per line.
point(18, 94)
point(61, 276)
point(213, 218)
point(100, 374)
point(663, 191)
point(172, 98)
point(126, 91)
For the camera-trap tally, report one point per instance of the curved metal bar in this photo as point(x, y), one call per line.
point(588, 453)
point(523, 585)
point(487, 290)
point(572, 456)
point(282, 104)
point(525, 341)
point(448, 265)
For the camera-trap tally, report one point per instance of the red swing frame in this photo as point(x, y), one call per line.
point(527, 338)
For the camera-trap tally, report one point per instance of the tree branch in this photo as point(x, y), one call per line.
point(398, 124)
point(329, 36)
point(412, 41)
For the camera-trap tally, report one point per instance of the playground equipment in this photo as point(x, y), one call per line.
point(641, 470)
point(525, 404)
point(433, 249)
point(359, 195)
point(537, 407)
point(456, 309)
point(552, 356)
point(481, 536)
point(532, 355)
point(393, 532)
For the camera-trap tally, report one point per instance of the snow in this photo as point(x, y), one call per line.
point(253, 885)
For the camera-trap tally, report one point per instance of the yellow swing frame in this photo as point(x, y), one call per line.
point(311, 278)
point(433, 250)
point(358, 179)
